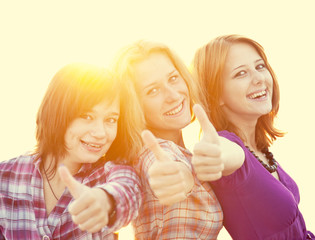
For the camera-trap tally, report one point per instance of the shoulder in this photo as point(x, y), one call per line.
point(115, 168)
point(109, 171)
point(232, 137)
point(168, 146)
point(175, 152)
point(17, 164)
point(16, 174)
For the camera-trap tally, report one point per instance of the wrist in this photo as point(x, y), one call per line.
point(112, 208)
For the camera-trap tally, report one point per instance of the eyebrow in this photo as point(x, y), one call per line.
point(260, 59)
point(108, 114)
point(113, 114)
point(172, 72)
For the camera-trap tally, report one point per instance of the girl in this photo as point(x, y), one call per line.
point(176, 204)
point(84, 124)
point(258, 198)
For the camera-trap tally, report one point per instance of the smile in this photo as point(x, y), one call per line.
point(258, 95)
point(175, 110)
point(97, 146)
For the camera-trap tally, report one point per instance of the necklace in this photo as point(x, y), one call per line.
point(50, 185)
point(272, 162)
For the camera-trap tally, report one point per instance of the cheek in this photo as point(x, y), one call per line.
point(112, 133)
point(228, 93)
point(68, 137)
point(150, 109)
point(269, 78)
point(270, 83)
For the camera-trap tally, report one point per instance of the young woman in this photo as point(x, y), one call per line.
point(258, 198)
point(176, 204)
point(84, 124)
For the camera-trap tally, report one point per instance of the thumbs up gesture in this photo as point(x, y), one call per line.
point(91, 207)
point(207, 159)
point(169, 180)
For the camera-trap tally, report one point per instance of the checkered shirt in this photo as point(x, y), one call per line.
point(199, 216)
point(22, 207)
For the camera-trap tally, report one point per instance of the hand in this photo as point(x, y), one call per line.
point(91, 207)
point(206, 159)
point(166, 176)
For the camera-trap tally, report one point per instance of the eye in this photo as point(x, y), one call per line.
point(173, 78)
point(153, 91)
point(260, 66)
point(240, 74)
point(86, 116)
point(112, 120)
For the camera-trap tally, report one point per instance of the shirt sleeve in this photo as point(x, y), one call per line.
point(1, 236)
point(123, 184)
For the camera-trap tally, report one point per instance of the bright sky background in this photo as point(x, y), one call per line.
point(39, 37)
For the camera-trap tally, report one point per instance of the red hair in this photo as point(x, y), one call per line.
point(208, 68)
point(75, 89)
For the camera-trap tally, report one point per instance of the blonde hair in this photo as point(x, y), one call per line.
point(208, 68)
point(75, 89)
point(140, 50)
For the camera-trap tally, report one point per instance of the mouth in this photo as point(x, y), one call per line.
point(258, 95)
point(175, 110)
point(92, 146)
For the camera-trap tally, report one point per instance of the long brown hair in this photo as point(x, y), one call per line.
point(75, 89)
point(142, 49)
point(208, 68)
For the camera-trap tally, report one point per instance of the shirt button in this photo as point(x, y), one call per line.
point(45, 237)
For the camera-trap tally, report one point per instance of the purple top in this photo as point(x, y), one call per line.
point(255, 204)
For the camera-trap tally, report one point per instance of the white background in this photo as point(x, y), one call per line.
point(39, 37)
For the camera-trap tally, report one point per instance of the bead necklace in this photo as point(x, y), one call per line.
point(272, 162)
point(50, 185)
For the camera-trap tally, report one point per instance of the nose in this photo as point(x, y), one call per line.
point(171, 94)
point(258, 77)
point(98, 129)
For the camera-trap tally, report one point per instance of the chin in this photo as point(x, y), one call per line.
point(91, 159)
point(183, 124)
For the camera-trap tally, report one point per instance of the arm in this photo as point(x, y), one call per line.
point(232, 156)
point(123, 185)
point(113, 204)
point(170, 179)
point(1, 236)
point(214, 155)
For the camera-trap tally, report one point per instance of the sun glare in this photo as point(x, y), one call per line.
point(38, 38)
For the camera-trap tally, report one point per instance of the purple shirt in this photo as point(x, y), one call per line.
point(255, 204)
point(22, 207)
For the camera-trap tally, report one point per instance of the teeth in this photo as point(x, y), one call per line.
point(255, 95)
point(93, 145)
point(176, 110)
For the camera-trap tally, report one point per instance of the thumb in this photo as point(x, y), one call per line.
point(209, 132)
point(73, 185)
point(151, 142)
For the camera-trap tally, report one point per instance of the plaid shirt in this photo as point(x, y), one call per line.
point(22, 205)
point(199, 216)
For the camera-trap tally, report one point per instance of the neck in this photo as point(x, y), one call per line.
point(174, 136)
point(48, 171)
point(247, 128)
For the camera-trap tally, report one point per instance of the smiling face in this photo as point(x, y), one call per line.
point(89, 136)
point(164, 95)
point(247, 85)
